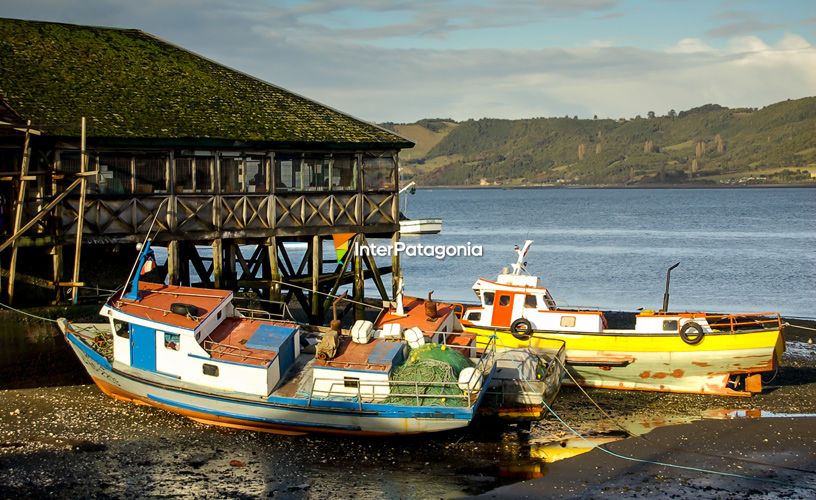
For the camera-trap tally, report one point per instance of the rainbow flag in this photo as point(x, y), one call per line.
point(341, 245)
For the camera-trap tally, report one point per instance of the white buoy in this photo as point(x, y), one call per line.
point(470, 379)
point(414, 337)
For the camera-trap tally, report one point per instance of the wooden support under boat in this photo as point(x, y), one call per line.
point(80, 224)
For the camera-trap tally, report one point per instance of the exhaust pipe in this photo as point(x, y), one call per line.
point(666, 293)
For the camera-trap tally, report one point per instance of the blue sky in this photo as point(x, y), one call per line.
point(399, 60)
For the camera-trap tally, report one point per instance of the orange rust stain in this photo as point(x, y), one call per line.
point(701, 364)
point(678, 373)
point(660, 375)
point(645, 374)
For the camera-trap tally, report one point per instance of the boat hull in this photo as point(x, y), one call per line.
point(284, 416)
point(660, 362)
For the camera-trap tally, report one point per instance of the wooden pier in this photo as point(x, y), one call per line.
point(76, 158)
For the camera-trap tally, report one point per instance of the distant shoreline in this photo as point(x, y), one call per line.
point(619, 186)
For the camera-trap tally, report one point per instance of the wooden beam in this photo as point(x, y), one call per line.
point(46, 209)
point(173, 261)
point(18, 215)
point(218, 263)
point(317, 270)
point(359, 286)
point(274, 272)
point(80, 225)
point(395, 263)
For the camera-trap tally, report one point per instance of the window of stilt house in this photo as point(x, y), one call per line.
point(194, 174)
point(150, 174)
point(379, 172)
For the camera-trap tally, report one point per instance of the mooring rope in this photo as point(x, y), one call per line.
point(328, 295)
point(800, 326)
point(665, 464)
point(27, 313)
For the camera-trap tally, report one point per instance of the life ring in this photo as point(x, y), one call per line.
point(525, 332)
point(694, 338)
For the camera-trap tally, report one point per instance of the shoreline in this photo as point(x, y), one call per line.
point(810, 185)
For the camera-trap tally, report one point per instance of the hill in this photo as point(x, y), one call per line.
point(709, 144)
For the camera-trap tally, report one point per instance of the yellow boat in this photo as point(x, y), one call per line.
point(689, 352)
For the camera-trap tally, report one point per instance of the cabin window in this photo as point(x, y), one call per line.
point(343, 177)
point(504, 300)
point(114, 174)
point(150, 174)
point(288, 172)
point(316, 172)
point(230, 174)
point(218, 316)
point(670, 325)
point(210, 370)
point(172, 341)
point(568, 321)
point(488, 298)
point(549, 301)
point(121, 329)
point(379, 173)
point(474, 315)
point(530, 301)
point(351, 382)
point(254, 171)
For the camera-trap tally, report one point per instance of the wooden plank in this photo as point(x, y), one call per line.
point(218, 263)
point(80, 225)
point(317, 269)
point(18, 215)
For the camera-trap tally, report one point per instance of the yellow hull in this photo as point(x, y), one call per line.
point(722, 363)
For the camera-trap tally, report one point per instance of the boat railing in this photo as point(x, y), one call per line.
point(418, 391)
point(216, 349)
point(733, 322)
point(251, 313)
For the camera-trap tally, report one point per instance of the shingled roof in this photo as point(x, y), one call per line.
point(132, 85)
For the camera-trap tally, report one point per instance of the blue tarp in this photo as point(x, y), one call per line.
point(386, 353)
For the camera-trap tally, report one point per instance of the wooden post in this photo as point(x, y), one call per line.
point(173, 263)
point(218, 263)
point(18, 215)
point(83, 189)
point(230, 275)
point(317, 269)
point(359, 284)
point(274, 270)
point(395, 264)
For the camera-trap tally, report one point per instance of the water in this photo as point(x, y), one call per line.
point(740, 250)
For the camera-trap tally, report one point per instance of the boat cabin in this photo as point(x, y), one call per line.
point(199, 336)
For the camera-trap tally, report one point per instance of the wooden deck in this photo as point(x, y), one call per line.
point(376, 356)
point(228, 341)
point(155, 301)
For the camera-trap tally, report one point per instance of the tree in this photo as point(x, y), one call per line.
point(672, 113)
point(650, 114)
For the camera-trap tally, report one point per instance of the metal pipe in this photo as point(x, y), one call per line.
point(666, 293)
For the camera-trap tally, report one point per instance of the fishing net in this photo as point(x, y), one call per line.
point(431, 370)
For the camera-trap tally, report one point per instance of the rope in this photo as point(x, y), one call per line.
point(800, 326)
point(27, 313)
point(328, 294)
point(664, 464)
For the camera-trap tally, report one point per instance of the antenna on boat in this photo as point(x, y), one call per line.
point(143, 250)
point(520, 265)
point(666, 293)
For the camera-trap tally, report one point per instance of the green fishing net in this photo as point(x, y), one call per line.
point(431, 370)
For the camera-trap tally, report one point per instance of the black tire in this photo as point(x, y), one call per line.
point(696, 337)
point(522, 329)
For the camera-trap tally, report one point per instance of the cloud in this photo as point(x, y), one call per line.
point(346, 55)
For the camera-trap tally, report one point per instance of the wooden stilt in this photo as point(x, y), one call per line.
point(173, 263)
point(80, 224)
point(18, 214)
point(359, 287)
point(395, 264)
point(56, 259)
point(317, 270)
point(230, 277)
point(218, 263)
point(274, 272)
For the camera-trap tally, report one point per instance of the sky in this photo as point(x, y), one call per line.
point(400, 60)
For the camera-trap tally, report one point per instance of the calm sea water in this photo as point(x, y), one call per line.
point(740, 250)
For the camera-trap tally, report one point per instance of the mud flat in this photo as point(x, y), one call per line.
point(71, 440)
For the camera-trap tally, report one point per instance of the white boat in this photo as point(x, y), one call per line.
point(193, 352)
point(420, 226)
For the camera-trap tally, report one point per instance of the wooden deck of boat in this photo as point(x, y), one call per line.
point(156, 299)
point(353, 356)
point(415, 315)
point(228, 341)
point(298, 379)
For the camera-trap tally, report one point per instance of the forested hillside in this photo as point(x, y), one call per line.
point(709, 144)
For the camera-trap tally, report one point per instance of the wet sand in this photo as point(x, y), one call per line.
point(73, 441)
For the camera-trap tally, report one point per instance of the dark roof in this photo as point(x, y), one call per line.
point(131, 85)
